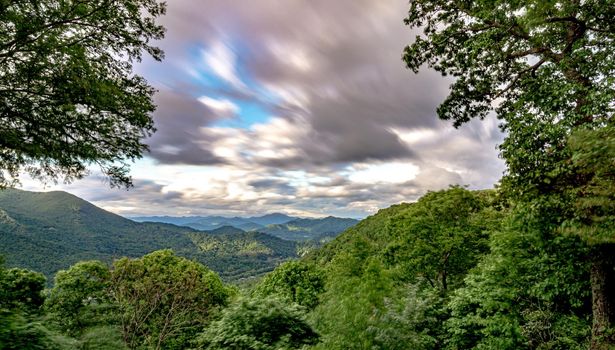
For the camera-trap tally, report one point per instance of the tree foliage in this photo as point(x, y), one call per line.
point(546, 69)
point(593, 155)
point(164, 299)
point(68, 95)
point(22, 289)
point(440, 237)
point(294, 281)
point(528, 293)
point(259, 324)
point(79, 298)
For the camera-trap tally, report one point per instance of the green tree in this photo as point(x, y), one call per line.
point(365, 307)
point(20, 305)
point(79, 298)
point(258, 324)
point(68, 95)
point(440, 237)
point(528, 293)
point(22, 289)
point(164, 299)
point(545, 68)
point(295, 281)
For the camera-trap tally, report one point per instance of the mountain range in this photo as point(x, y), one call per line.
point(49, 231)
point(276, 224)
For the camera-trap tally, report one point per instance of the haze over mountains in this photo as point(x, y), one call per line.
point(49, 231)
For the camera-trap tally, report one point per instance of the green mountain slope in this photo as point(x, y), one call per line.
point(50, 231)
point(309, 229)
point(241, 254)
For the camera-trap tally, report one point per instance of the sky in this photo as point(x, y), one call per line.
point(298, 106)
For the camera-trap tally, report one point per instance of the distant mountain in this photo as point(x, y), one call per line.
point(50, 231)
point(214, 222)
point(241, 254)
point(310, 229)
point(226, 230)
point(175, 220)
point(277, 224)
point(271, 219)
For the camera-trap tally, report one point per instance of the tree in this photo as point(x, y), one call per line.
point(79, 298)
point(258, 324)
point(545, 68)
point(294, 281)
point(21, 298)
point(164, 299)
point(440, 237)
point(68, 96)
point(22, 289)
point(527, 293)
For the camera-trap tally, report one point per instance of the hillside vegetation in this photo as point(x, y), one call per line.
point(50, 231)
point(458, 269)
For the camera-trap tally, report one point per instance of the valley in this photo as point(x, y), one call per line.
point(49, 231)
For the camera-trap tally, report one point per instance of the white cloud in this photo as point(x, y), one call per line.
point(393, 172)
point(222, 107)
point(221, 59)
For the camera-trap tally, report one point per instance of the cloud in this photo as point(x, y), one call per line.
point(221, 59)
point(335, 70)
point(222, 107)
point(180, 121)
point(303, 107)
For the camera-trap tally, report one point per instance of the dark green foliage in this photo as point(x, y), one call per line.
point(20, 314)
point(528, 293)
point(258, 324)
point(376, 291)
point(79, 298)
point(69, 97)
point(545, 68)
point(440, 237)
point(237, 254)
point(164, 299)
point(22, 290)
point(158, 301)
point(18, 332)
point(294, 281)
point(309, 229)
point(593, 155)
point(103, 338)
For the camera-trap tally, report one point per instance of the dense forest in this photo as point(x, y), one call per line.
point(527, 265)
point(458, 269)
point(50, 231)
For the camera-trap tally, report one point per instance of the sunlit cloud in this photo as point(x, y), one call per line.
point(395, 172)
point(222, 61)
point(263, 110)
point(222, 107)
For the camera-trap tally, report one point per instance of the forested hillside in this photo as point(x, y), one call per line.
point(458, 269)
point(50, 231)
point(526, 265)
point(309, 229)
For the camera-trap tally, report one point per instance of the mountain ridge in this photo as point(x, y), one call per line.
point(277, 224)
point(49, 231)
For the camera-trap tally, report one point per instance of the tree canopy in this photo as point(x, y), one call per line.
point(441, 237)
point(546, 69)
point(68, 95)
point(164, 298)
point(258, 324)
